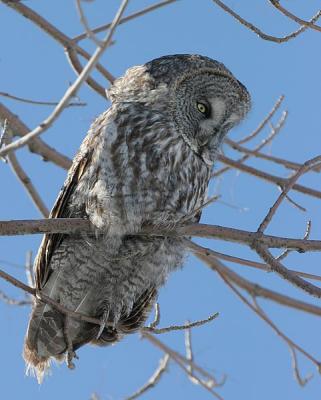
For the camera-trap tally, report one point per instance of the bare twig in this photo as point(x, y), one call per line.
point(285, 273)
point(40, 103)
point(189, 351)
point(209, 201)
point(153, 380)
point(61, 38)
point(13, 302)
point(277, 180)
point(84, 21)
point(286, 252)
point(17, 128)
point(258, 311)
point(261, 34)
point(300, 21)
point(71, 91)
point(156, 321)
point(249, 153)
point(181, 327)
point(26, 182)
point(73, 59)
point(183, 362)
point(125, 19)
point(261, 266)
point(262, 124)
point(252, 288)
point(277, 160)
point(29, 271)
point(316, 161)
point(301, 381)
point(291, 344)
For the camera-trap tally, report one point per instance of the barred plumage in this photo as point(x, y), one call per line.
point(146, 160)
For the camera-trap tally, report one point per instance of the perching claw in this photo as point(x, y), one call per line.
point(103, 322)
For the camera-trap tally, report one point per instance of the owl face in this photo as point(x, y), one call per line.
point(206, 104)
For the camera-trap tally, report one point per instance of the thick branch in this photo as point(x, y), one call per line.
point(77, 225)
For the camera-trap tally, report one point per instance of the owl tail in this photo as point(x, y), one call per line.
point(44, 339)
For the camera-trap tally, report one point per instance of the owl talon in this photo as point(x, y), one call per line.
point(70, 356)
point(102, 325)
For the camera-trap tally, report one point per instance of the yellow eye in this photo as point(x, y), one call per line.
point(202, 108)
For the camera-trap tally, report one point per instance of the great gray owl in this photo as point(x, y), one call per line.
point(146, 160)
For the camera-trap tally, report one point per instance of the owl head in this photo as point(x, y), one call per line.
point(200, 96)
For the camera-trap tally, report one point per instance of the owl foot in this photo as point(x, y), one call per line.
point(103, 322)
point(71, 354)
point(70, 351)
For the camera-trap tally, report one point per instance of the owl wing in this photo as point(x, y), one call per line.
point(51, 242)
point(82, 160)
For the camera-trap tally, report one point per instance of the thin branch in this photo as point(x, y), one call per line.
point(258, 311)
point(73, 59)
point(290, 184)
point(261, 266)
point(71, 91)
point(153, 380)
point(189, 352)
point(277, 180)
point(182, 362)
point(277, 5)
point(208, 201)
point(260, 33)
point(189, 355)
point(26, 182)
point(255, 153)
point(83, 19)
point(252, 288)
point(59, 37)
point(301, 381)
point(286, 252)
point(264, 122)
point(292, 345)
point(125, 19)
point(17, 128)
point(40, 103)
point(13, 302)
point(181, 327)
point(248, 153)
point(29, 270)
point(284, 273)
point(156, 321)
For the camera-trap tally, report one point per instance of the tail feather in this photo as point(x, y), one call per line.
point(49, 331)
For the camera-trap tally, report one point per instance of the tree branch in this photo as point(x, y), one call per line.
point(261, 34)
point(71, 91)
point(78, 225)
point(309, 24)
point(17, 128)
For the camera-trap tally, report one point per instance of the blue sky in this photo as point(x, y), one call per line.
point(238, 344)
